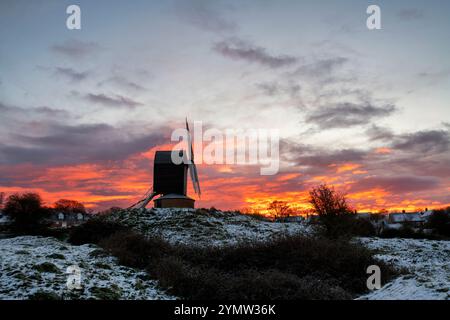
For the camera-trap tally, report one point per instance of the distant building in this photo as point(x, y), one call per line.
point(397, 220)
point(68, 219)
point(4, 219)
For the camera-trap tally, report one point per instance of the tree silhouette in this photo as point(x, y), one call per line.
point(280, 209)
point(335, 215)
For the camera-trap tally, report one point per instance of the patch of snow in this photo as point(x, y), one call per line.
point(428, 264)
point(30, 265)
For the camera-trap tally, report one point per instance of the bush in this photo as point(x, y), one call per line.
point(46, 267)
point(335, 216)
point(44, 295)
point(93, 231)
point(134, 250)
point(440, 222)
point(363, 228)
point(27, 213)
point(407, 232)
point(302, 256)
point(289, 267)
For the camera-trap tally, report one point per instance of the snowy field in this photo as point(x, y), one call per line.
point(36, 266)
point(428, 265)
point(200, 227)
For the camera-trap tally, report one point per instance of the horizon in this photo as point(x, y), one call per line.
point(366, 111)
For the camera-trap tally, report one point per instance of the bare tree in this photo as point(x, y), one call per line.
point(326, 201)
point(333, 210)
point(69, 206)
point(280, 209)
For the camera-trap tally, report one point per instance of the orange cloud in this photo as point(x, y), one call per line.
point(383, 150)
point(347, 167)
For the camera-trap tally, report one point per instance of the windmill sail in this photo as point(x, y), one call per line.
point(191, 163)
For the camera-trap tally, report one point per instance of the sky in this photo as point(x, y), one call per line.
point(83, 111)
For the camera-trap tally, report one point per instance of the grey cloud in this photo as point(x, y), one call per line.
point(76, 48)
point(71, 74)
point(379, 133)
point(32, 111)
point(275, 88)
point(400, 184)
point(237, 49)
point(112, 101)
point(347, 114)
point(121, 82)
point(308, 155)
point(64, 144)
point(321, 68)
point(423, 141)
point(206, 15)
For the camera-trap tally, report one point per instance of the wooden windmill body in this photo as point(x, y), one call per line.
point(170, 178)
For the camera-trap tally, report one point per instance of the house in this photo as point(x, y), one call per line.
point(415, 220)
point(4, 219)
point(68, 219)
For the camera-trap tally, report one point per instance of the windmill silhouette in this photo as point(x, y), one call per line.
point(170, 179)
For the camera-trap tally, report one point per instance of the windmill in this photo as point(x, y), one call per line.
point(170, 179)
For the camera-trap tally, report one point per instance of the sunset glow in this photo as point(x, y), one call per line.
point(82, 112)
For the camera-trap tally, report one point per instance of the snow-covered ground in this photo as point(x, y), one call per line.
point(37, 266)
point(202, 227)
point(428, 265)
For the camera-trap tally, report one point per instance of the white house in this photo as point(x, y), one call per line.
point(68, 219)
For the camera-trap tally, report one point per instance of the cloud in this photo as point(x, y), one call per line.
point(321, 68)
point(121, 82)
point(237, 49)
point(112, 101)
point(205, 15)
point(308, 155)
point(347, 114)
point(427, 141)
point(45, 111)
point(76, 48)
point(74, 144)
point(400, 184)
point(410, 14)
point(71, 74)
point(275, 88)
point(379, 133)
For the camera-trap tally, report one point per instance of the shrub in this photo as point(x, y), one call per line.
point(289, 267)
point(440, 222)
point(106, 293)
point(134, 250)
point(46, 267)
point(362, 228)
point(27, 213)
point(303, 256)
point(93, 231)
point(407, 232)
point(44, 295)
point(335, 216)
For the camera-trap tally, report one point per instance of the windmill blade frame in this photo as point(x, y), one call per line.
point(192, 167)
